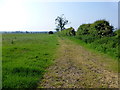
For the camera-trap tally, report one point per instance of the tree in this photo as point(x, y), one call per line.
point(84, 34)
point(83, 29)
point(101, 28)
point(50, 32)
point(60, 21)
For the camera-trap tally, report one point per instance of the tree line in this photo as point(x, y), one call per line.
point(98, 29)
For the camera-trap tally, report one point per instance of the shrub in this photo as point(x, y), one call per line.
point(83, 29)
point(101, 28)
point(67, 32)
point(50, 32)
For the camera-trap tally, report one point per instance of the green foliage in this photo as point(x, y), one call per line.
point(98, 29)
point(67, 32)
point(101, 28)
point(117, 33)
point(107, 45)
point(83, 29)
point(60, 22)
point(86, 38)
point(25, 61)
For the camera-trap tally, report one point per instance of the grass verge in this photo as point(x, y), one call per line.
point(96, 48)
point(110, 61)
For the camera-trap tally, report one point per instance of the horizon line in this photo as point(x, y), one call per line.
point(26, 30)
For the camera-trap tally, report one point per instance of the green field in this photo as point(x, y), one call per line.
point(25, 58)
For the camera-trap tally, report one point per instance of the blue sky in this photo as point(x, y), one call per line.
point(30, 15)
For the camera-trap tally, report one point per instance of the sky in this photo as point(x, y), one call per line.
point(35, 15)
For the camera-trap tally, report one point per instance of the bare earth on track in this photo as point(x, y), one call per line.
point(76, 67)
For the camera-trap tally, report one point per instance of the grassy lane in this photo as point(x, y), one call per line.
point(77, 67)
point(25, 58)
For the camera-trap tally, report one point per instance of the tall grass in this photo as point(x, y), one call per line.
point(25, 58)
point(106, 45)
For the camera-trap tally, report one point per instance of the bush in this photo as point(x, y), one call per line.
point(101, 28)
point(98, 29)
point(50, 32)
point(67, 32)
point(83, 29)
point(108, 45)
point(117, 33)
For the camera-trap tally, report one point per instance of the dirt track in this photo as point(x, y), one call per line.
point(77, 67)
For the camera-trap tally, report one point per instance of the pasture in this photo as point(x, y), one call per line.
point(25, 58)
